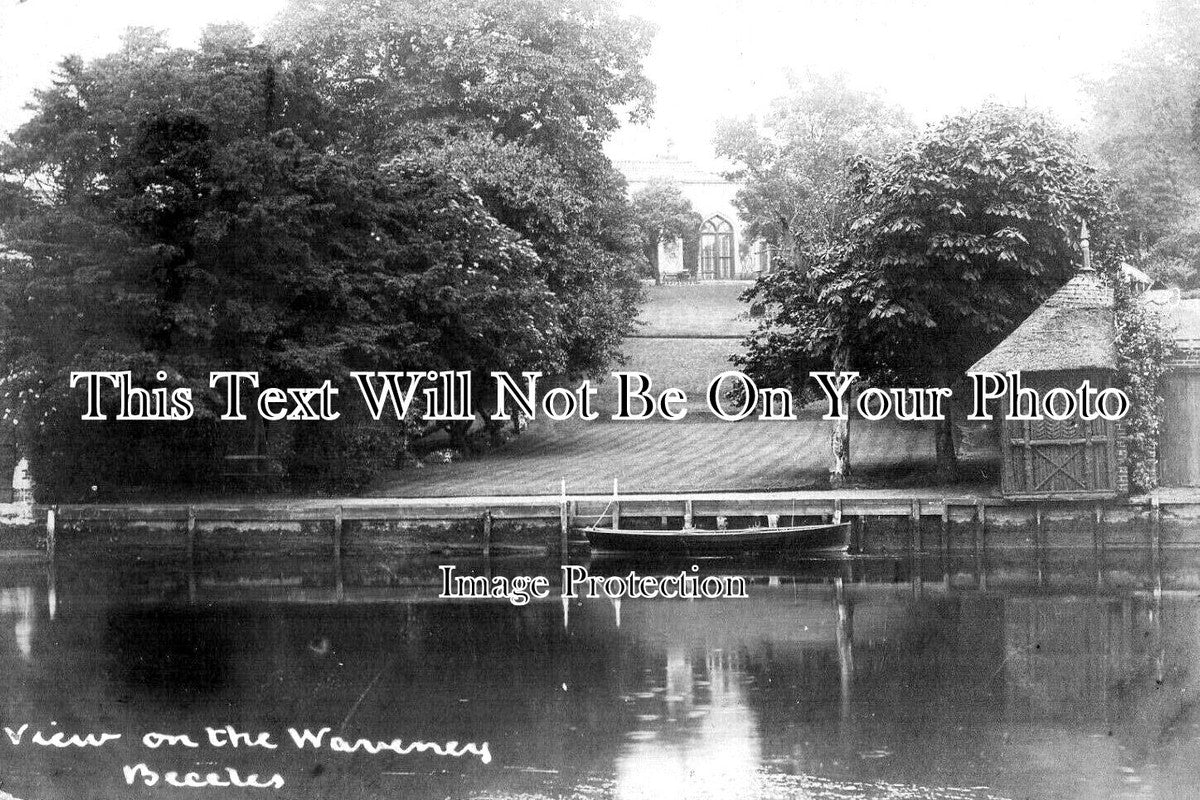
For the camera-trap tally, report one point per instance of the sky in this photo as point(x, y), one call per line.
point(714, 58)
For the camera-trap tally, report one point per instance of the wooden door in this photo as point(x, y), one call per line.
point(1179, 442)
point(1059, 458)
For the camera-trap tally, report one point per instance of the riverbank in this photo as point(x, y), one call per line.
point(892, 521)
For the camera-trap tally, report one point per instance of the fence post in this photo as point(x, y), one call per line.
point(487, 534)
point(980, 543)
point(914, 526)
point(339, 581)
point(945, 534)
point(190, 526)
point(564, 523)
point(337, 535)
point(1156, 542)
point(1039, 534)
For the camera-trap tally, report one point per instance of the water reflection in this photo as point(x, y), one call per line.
point(17, 603)
point(696, 734)
point(851, 678)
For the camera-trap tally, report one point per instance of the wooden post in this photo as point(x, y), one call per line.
point(862, 534)
point(564, 528)
point(944, 532)
point(837, 512)
point(190, 529)
point(1038, 536)
point(51, 532)
point(914, 538)
point(616, 507)
point(1156, 542)
point(487, 534)
point(564, 522)
point(337, 535)
point(914, 526)
point(687, 514)
point(191, 533)
point(339, 585)
point(980, 543)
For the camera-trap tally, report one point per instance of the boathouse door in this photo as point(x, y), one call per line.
point(1073, 458)
point(1179, 442)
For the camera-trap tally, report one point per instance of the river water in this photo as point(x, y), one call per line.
point(860, 678)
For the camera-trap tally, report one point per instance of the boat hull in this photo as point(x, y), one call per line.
point(698, 542)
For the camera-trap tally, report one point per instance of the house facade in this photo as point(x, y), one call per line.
point(721, 249)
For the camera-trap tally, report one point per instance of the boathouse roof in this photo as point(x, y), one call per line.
point(1074, 329)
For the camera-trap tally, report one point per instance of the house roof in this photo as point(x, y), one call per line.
point(1136, 276)
point(1074, 329)
point(1180, 316)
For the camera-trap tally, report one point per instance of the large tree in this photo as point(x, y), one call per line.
point(517, 98)
point(1144, 129)
point(211, 209)
point(664, 214)
point(792, 165)
point(956, 239)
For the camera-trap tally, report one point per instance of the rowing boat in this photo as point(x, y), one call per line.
point(827, 537)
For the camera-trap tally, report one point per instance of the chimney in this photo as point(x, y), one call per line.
point(1087, 251)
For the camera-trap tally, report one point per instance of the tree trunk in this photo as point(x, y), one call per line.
point(787, 242)
point(458, 431)
point(839, 442)
point(947, 458)
point(495, 430)
point(839, 470)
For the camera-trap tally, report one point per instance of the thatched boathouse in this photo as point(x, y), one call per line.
point(1071, 337)
point(1067, 339)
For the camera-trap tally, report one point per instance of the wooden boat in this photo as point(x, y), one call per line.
point(828, 537)
point(692, 541)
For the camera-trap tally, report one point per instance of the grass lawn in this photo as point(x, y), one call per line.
point(687, 335)
point(699, 453)
point(687, 364)
point(698, 309)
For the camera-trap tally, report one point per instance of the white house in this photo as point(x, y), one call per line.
point(724, 252)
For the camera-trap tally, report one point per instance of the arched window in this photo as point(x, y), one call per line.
point(716, 249)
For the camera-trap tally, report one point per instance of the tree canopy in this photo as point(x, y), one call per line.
point(793, 165)
point(516, 99)
point(1145, 130)
point(664, 214)
point(954, 241)
point(248, 205)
